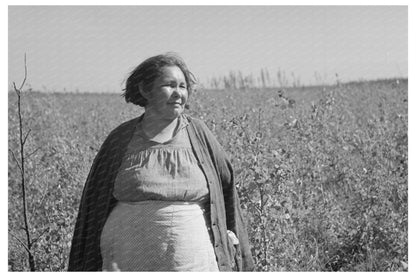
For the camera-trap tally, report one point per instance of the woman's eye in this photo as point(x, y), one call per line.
point(173, 85)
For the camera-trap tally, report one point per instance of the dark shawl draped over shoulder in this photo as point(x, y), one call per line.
point(97, 200)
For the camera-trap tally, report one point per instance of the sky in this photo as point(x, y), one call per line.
point(93, 48)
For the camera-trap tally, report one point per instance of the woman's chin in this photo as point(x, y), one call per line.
point(171, 113)
point(174, 113)
point(178, 110)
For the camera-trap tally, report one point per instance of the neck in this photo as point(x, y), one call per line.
point(158, 128)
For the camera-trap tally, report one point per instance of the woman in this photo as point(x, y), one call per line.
point(160, 194)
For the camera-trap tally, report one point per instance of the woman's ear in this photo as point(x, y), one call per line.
point(143, 92)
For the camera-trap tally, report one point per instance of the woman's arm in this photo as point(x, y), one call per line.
point(97, 200)
point(234, 219)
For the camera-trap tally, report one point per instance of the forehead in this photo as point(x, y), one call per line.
point(169, 72)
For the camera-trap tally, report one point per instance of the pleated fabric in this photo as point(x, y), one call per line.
point(160, 171)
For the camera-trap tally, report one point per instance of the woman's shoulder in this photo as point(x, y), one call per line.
point(123, 129)
point(201, 129)
point(199, 124)
point(127, 124)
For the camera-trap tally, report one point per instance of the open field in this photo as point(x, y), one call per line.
point(323, 182)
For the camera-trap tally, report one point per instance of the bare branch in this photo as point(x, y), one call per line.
point(44, 231)
point(24, 80)
point(255, 205)
point(27, 134)
point(21, 242)
point(36, 150)
point(16, 90)
point(22, 164)
point(15, 159)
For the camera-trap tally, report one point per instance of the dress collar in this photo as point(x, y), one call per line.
point(183, 122)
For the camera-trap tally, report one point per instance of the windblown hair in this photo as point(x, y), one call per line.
point(144, 75)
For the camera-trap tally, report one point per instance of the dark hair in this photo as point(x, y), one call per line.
point(145, 74)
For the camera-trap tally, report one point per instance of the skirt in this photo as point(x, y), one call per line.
point(157, 236)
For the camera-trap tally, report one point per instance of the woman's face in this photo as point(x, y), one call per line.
point(169, 93)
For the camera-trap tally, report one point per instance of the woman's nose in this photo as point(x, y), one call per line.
point(176, 91)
